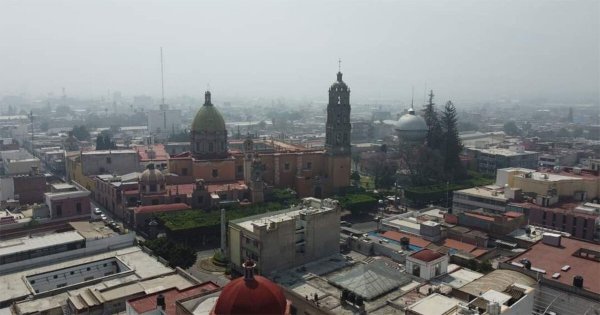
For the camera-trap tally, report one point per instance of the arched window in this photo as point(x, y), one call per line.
point(211, 147)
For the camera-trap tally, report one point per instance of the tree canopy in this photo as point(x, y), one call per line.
point(178, 255)
point(511, 129)
point(104, 141)
point(81, 133)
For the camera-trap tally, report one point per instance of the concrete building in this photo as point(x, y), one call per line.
point(287, 238)
point(82, 166)
point(580, 220)
point(427, 264)
point(489, 160)
point(83, 239)
point(164, 122)
point(566, 270)
point(68, 204)
point(489, 198)
point(435, 304)
point(575, 183)
point(26, 189)
point(18, 162)
point(109, 162)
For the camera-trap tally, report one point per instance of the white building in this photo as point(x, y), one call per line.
point(164, 121)
point(427, 264)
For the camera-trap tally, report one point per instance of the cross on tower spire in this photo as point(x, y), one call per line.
point(339, 64)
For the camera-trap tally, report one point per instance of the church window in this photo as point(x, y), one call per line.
point(211, 147)
point(152, 187)
point(286, 166)
point(215, 173)
point(240, 169)
point(309, 165)
point(184, 171)
point(345, 138)
point(200, 199)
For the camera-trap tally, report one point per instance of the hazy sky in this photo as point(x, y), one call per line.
point(464, 50)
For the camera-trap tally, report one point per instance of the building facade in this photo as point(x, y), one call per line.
point(311, 172)
point(287, 238)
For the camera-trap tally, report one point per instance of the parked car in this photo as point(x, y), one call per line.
point(97, 211)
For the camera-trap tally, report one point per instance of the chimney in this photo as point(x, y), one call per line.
point(160, 302)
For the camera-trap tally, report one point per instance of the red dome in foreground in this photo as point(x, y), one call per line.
point(251, 295)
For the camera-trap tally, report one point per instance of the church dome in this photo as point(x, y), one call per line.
point(208, 118)
point(251, 295)
point(152, 176)
point(411, 127)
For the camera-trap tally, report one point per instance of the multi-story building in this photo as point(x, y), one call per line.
point(26, 189)
point(287, 238)
point(580, 220)
point(490, 159)
point(164, 121)
point(82, 166)
point(569, 183)
point(488, 198)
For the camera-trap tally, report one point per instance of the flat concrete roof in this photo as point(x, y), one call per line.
point(24, 244)
point(144, 266)
point(435, 304)
point(92, 230)
point(497, 280)
point(307, 205)
point(460, 278)
point(484, 192)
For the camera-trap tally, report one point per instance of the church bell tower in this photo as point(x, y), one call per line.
point(337, 133)
point(337, 128)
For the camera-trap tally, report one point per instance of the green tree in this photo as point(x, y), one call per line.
point(178, 255)
point(81, 133)
point(104, 141)
point(452, 146)
point(435, 133)
point(385, 173)
point(511, 129)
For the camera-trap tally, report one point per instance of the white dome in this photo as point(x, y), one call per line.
point(411, 127)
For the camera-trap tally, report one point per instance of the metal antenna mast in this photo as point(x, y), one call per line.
point(162, 76)
point(31, 118)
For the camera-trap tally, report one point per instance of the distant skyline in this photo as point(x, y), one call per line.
point(465, 50)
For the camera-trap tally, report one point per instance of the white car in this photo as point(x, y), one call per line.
point(103, 217)
point(97, 211)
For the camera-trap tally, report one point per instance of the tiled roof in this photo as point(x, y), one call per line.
point(147, 303)
point(413, 239)
point(162, 208)
point(426, 255)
